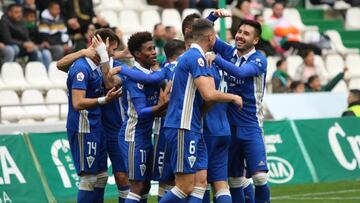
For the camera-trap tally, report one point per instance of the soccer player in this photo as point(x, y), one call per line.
point(84, 127)
point(246, 77)
point(192, 86)
point(141, 103)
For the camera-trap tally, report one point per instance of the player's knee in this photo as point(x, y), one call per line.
point(260, 178)
point(121, 179)
point(101, 179)
point(236, 182)
point(201, 179)
point(87, 182)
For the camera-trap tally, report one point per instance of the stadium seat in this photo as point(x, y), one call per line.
point(2, 85)
point(36, 75)
point(352, 61)
point(337, 43)
point(189, 11)
point(334, 64)
point(228, 21)
point(130, 26)
point(37, 112)
point(137, 5)
point(271, 68)
point(1, 14)
point(171, 17)
point(13, 113)
point(352, 17)
point(57, 77)
point(340, 87)
point(320, 62)
point(294, 61)
point(149, 18)
point(13, 76)
point(111, 17)
point(53, 98)
point(354, 84)
point(113, 5)
point(267, 13)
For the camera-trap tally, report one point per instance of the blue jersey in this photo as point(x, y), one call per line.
point(247, 80)
point(215, 121)
point(169, 69)
point(113, 113)
point(138, 100)
point(85, 75)
point(185, 106)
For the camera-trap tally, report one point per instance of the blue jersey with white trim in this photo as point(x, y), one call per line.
point(185, 105)
point(169, 69)
point(113, 113)
point(85, 75)
point(247, 80)
point(215, 121)
point(136, 97)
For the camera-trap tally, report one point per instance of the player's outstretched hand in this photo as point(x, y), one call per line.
point(221, 13)
point(112, 94)
point(91, 53)
point(210, 57)
point(238, 101)
point(165, 94)
point(115, 70)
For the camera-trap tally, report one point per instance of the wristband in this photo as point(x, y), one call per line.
point(101, 51)
point(101, 100)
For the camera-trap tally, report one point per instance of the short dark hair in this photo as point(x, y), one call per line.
point(200, 26)
point(188, 21)
point(283, 3)
point(29, 11)
point(188, 36)
point(355, 93)
point(11, 6)
point(107, 33)
point(295, 84)
point(312, 78)
point(305, 53)
point(280, 62)
point(136, 40)
point(173, 48)
point(256, 25)
point(52, 3)
point(157, 25)
point(240, 2)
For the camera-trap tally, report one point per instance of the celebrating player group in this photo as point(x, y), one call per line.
point(192, 122)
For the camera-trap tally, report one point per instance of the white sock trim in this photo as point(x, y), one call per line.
point(179, 193)
point(222, 192)
point(161, 191)
point(260, 179)
point(145, 196)
point(133, 196)
point(235, 182)
point(123, 193)
point(198, 192)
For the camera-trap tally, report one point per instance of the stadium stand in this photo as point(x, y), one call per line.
point(149, 18)
point(13, 76)
point(10, 113)
point(36, 75)
point(34, 105)
point(57, 78)
point(351, 14)
point(56, 100)
point(171, 17)
point(132, 25)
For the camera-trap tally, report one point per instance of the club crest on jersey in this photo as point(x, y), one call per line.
point(140, 86)
point(201, 62)
point(90, 160)
point(258, 62)
point(142, 169)
point(80, 76)
point(192, 160)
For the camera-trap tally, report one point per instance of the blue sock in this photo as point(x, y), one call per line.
point(196, 195)
point(99, 194)
point(237, 195)
point(132, 198)
point(206, 198)
point(249, 194)
point(262, 194)
point(85, 196)
point(123, 192)
point(175, 195)
point(223, 196)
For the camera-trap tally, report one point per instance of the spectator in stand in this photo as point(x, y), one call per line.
point(297, 87)
point(354, 103)
point(179, 4)
point(240, 12)
point(53, 31)
point(7, 53)
point(159, 37)
point(170, 33)
point(309, 68)
point(266, 43)
point(202, 4)
point(286, 35)
point(31, 24)
point(122, 53)
point(314, 85)
point(14, 34)
point(29, 4)
point(80, 14)
point(280, 79)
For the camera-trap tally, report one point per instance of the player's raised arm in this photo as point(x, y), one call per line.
point(141, 77)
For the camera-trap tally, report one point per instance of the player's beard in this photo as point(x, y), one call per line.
point(246, 47)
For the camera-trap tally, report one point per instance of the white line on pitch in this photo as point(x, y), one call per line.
point(315, 194)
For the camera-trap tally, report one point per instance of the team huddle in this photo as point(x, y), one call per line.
point(194, 121)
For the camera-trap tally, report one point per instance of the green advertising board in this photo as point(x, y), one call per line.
point(53, 153)
point(19, 179)
point(334, 147)
point(285, 162)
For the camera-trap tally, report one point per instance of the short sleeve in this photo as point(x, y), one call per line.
point(199, 67)
point(136, 90)
point(79, 76)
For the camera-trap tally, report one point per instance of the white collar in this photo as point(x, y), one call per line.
point(93, 66)
point(246, 56)
point(197, 46)
point(138, 66)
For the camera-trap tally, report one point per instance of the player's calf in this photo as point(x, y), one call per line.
point(86, 189)
point(262, 192)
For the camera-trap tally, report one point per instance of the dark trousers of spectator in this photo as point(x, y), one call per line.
point(7, 54)
point(300, 46)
